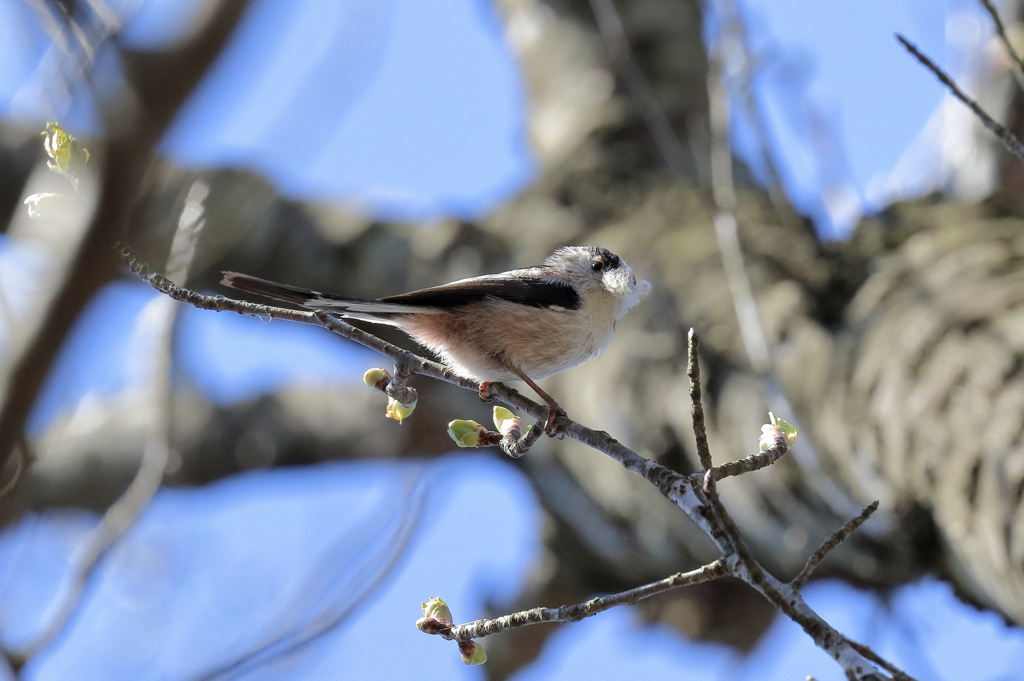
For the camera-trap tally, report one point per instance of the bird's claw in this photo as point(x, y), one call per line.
point(551, 428)
point(485, 391)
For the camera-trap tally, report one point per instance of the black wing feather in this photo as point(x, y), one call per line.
point(534, 292)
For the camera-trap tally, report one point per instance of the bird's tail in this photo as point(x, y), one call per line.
point(354, 308)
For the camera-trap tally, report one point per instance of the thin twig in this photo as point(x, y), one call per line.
point(754, 462)
point(23, 457)
point(897, 673)
point(755, 342)
point(1018, 71)
point(835, 540)
point(158, 319)
point(609, 23)
point(697, 412)
point(723, 531)
point(734, 35)
point(579, 611)
point(1008, 139)
point(382, 554)
point(705, 510)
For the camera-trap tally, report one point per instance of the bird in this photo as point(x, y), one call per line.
point(520, 325)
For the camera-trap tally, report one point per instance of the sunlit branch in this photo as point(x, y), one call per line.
point(699, 501)
point(579, 611)
point(1018, 66)
point(835, 540)
point(1008, 139)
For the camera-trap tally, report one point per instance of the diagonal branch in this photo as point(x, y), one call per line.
point(835, 540)
point(1008, 139)
point(1018, 65)
point(579, 611)
point(161, 82)
point(158, 320)
point(704, 508)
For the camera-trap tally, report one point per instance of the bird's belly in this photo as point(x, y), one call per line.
point(537, 341)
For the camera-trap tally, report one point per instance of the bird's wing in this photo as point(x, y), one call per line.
point(526, 287)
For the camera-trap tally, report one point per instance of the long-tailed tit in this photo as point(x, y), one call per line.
point(518, 325)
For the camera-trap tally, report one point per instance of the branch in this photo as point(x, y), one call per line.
point(658, 125)
point(579, 611)
point(161, 82)
point(1008, 139)
point(726, 536)
point(704, 508)
point(662, 477)
point(754, 462)
point(380, 555)
point(158, 320)
point(1018, 72)
point(835, 540)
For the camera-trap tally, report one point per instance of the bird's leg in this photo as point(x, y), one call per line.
point(554, 411)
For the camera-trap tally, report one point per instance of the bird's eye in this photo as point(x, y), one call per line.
point(597, 265)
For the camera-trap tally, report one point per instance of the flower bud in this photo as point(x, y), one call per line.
point(771, 433)
point(472, 434)
point(472, 652)
point(63, 149)
point(466, 433)
point(377, 378)
point(398, 411)
point(435, 608)
point(787, 429)
point(505, 421)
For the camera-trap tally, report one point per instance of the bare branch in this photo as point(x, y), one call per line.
point(161, 82)
point(835, 540)
point(754, 462)
point(697, 412)
point(1018, 72)
point(23, 458)
point(705, 510)
point(610, 25)
point(726, 227)
point(733, 38)
point(158, 319)
point(1008, 139)
point(579, 611)
point(897, 673)
point(381, 556)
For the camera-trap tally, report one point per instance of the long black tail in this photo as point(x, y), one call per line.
point(271, 289)
point(356, 308)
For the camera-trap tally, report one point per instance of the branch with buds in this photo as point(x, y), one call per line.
point(696, 494)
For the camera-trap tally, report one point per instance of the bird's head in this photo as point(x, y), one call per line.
point(592, 270)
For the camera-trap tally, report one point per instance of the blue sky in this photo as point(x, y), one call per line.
point(409, 109)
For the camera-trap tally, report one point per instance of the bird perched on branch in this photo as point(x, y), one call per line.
point(518, 325)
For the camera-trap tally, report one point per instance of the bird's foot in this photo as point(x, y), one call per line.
point(485, 391)
point(551, 428)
